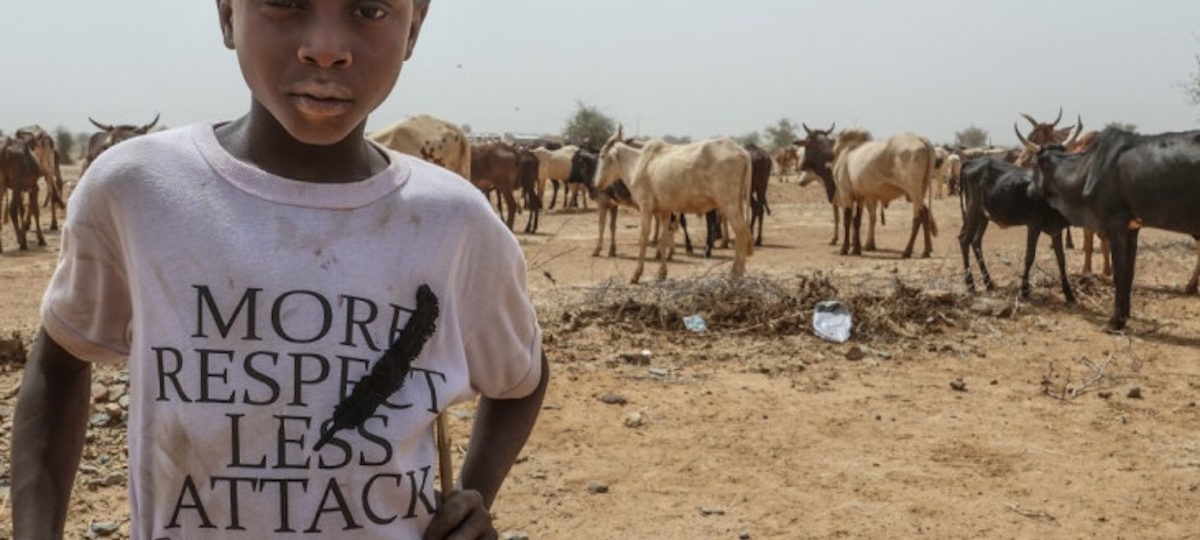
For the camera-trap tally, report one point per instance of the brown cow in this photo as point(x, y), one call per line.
point(760, 175)
point(494, 167)
point(19, 173)
point(42, 145)
point(527, 179)
point(109, 136)
point(788, 159)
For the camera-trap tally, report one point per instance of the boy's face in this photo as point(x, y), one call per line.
point(321, 66)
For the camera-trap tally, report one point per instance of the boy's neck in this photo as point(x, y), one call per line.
point(257, 138)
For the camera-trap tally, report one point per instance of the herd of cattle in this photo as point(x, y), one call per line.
point(1111, 183)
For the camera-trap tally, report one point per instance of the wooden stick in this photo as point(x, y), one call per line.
point(445, 461)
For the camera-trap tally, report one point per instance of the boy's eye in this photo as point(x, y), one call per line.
point(286, 4)
point(372, 13)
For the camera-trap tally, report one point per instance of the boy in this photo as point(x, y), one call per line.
point(269, 280)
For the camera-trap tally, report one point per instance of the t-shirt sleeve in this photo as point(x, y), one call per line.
point(502, 340)
point(87, 307)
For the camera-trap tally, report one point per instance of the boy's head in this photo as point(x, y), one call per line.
point(319, 67)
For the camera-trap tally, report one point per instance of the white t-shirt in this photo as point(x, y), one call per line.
point(249, 305)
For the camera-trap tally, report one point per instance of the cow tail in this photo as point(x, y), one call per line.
point(464, 149)
point(928, 182)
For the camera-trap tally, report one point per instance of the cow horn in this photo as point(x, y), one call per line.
point(1059, 119)
point(1075, 134)
point(99, 125)
point(806, 130)
point(1028, 145)
point(1031, 120)
point(147, 127)
point(831, 126)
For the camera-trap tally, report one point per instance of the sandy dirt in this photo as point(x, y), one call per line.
point(758, 429)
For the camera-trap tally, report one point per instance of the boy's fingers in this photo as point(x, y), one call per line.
point(462, 516)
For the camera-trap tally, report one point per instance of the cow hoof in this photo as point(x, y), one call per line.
point(1025, 293)
point(906, 255)
point(612, 253)
point(1192, 288)
point(857, 251)
point(1116, 323)
point(990, 286)
point(1071, 300)
point(870, 246)
point(834, 243)
point(597, 253)
point(927, 255)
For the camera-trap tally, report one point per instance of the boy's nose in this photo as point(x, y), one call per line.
point(325, 49)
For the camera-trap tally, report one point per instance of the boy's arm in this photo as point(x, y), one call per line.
point(48, 434)
point(501, 428)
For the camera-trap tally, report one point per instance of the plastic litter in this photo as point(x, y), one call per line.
point(695, 323)
point(832, 321)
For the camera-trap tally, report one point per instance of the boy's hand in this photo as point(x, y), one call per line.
point(462, 516)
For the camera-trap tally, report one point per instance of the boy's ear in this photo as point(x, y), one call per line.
point(420, 10)
point(225, 12)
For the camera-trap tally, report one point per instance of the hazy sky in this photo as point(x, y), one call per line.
point(685, 67)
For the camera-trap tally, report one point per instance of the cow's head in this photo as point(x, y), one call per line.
point(1046, 160)
point(608, 161)
point(1044, 132)
point(114, 134)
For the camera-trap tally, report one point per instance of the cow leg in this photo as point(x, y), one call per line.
point(928, 225)
point(1060, 256)
point(664, 243)
point(600, 240)
point(1089, 239)
point(643, 239)
point(858, 211)
point(836, 225)
point(1124, 256)
point(14, 215)
point(612, 230)
point(918, 220)
point(1070, 242)
point(1031, 238)
point(36, 213)
point(872, 208)
point(687, 239)
point(1194, 284)
point(554, 196)
point(1105, 252)
point(977, 246)
point(966, 237)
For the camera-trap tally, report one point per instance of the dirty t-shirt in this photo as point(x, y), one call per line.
point(249, 306)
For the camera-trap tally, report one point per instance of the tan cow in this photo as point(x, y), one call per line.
point(431, 139)
point(868, 171)
point(42, 145)
point(688, 178)
point(555, 165)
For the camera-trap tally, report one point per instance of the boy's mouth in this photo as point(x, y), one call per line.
point(321, 101)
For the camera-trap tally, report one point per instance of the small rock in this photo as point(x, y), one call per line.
point(708, 511)
point(659, 372)
point(514, 535)
point(116, 391)
point(958, 385)
point(124, 402)
point(100, 419)
point(538, 475)
point(103, 528)
point(1134, 393)
point(113, 410)
point(597, 487)
point(744, 535)
point(855, 353)
point(636, 359)
point(634, 420)
point(613, 398)
point(99, 393)
point(1104, 395)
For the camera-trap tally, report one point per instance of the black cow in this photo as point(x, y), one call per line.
point(760, 176)
point(818, 157)
point(527, 171)
point(998, 191)
point(1124, 182)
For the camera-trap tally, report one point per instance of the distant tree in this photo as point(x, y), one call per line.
point(466, 128)
point(1192, 87)
point(64, 141)
point(81, 143)
point(782, 134)
point(589, 126)
point(1132, 128)
point(750, 138)
point(971, 137)
point(672, 139)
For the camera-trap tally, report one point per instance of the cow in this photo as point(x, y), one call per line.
point(788, 158)
point(19, 173)
point(494, 167)
point(110, 135)
point(760, 176)
point(953, 170)
point(1120, 184)
point(555, 166)
point(689, 178)
point(993, 190)
point(431, 139)
point(868, 171)
point(527, 177)
point(42, 146)
point(818, 159)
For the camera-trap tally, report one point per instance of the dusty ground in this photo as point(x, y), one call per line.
point(758, 428)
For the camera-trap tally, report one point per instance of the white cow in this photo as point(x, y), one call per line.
point(868, 171)
point(555, 165)
point(688, 178)
point(431, 139)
